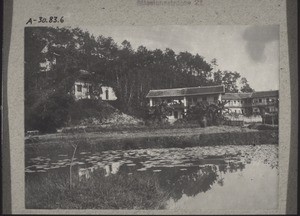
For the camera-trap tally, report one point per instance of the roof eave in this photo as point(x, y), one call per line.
point(184, 95)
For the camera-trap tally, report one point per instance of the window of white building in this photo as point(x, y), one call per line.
point(79, 88)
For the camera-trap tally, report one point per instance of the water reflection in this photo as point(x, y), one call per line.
point(186, 174)
point(255, 187)
point(112, 168)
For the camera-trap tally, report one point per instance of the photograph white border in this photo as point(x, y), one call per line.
point(129, 12)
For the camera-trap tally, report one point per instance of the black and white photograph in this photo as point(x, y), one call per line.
point(164, 117)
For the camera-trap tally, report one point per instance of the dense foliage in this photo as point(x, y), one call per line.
point(158, 113)
point(88, 109)
point(245, 86)
point(49, 113)
point(203, 111)
point(55, 56)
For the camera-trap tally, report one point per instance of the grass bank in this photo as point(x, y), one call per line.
point(96, 142)
point(98, 192)
point(234, 138)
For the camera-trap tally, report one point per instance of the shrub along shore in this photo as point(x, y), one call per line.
point(169, 139)
point(234, 138)
point(135, 191)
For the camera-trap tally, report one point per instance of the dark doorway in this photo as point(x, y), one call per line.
point(106, 94)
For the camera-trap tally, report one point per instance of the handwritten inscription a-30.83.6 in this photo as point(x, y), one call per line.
point(51, 19)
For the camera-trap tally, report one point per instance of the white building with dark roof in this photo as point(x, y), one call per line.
point(84, 89)
point(240, 103)
point(182, 98)
point(265, 101)
point(252, 103)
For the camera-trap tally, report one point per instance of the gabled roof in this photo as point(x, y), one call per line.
point(265, 94)
point(239, 96)
point(176, 92)
point(84, 72)
point(236, 96)
point(84, 76)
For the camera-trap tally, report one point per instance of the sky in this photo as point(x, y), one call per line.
point(253, 51)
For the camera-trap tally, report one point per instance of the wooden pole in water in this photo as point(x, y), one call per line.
point(71, 164)
point(73, 156)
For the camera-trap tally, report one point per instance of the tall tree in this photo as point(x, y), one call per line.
point(228, 79)
point(131, 73)
point(245, 85)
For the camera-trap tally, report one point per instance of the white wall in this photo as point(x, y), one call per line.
point(234, 103)
point(111, 94)
point(249, 119)
point(263, 100)
point(83, 94)
point(211, 98)
point(84, 90)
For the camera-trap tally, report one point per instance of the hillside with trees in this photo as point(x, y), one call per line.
point(54, 57)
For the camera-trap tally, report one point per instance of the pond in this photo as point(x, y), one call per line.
point(212, 177)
